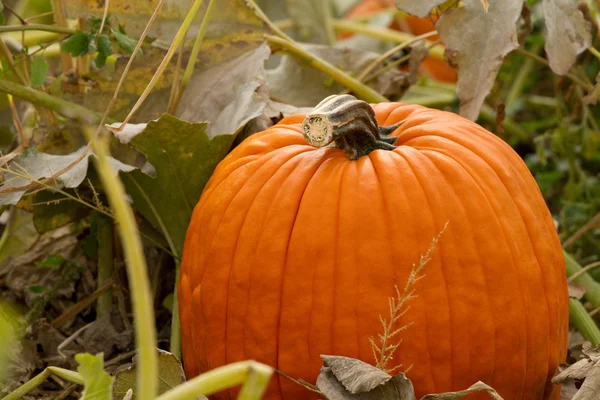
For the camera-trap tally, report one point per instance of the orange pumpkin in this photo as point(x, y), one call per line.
point(293, 251)
point(437, 69)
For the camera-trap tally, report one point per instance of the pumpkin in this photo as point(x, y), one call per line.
point(437, 69)
point(304, 230)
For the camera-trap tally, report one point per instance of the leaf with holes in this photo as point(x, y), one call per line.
point(479, 56)
point(567, 33)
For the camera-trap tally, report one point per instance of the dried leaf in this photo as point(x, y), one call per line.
point(576, 291)
point(477, 42)
point(97, 384)
point(420, 8)
point(477, 387)
point(587, 368)
point(567, 33)
point(18, 236)
point(227, 96)
point(183, 157)
point(593, 96)
point(102, 336)
point(344, 378)
point(310, 86)
point(37, 165)
point(170, 374)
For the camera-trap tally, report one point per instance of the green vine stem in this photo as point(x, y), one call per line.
point(584, 322)
point(143, 310)
point(62, 107)
point(38, 27)
point(105, 262)
point(522, 75)
point(362, 91)
point(343, 25)
point(592, 293)
point(37, 380)
point(253, 375)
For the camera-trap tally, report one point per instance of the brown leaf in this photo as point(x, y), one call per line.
point(477, 387)
point(420, 8)
point(227, 96)
point(477, 42)
point(344, 378)
point(594, 94)
point(576, 291)
point(567, 33)
point(103, 337)
point(587, 368)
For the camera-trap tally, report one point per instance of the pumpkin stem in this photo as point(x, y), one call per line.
point(350, 124)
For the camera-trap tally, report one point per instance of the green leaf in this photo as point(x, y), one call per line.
point(78, 44)
point(170, 374)
point(53, 210)
point(97, 384)
point(126, 43)
point(53, 260)
point(184, 157)
point(18, 235)
point(39, 71)
point(104, 50)
point(37, 289)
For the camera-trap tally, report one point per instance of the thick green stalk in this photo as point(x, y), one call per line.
point(584, 322)
point(37, 27)
point(391, 35)
point(362, 91)
point(143, 311)
point(592, 293)
point(105, 262)
point(37, 380)
point(253, 375)
point(62, 107)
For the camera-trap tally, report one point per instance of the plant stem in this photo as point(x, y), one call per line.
point(255, 376)
point(362, 91)
point(189, 69)
point(62, 107)
point(37, 380)
point(510, 127)
point(584, 322)
point(105, 262)
point(60, 20)
point(594, 52)
point(143, 311)
point(542, 60)
point(189, 18)
point(592, 293)
point(38, 27)
point(522, 75)
point(175, 339)
point(329, 31)
point(391, 35)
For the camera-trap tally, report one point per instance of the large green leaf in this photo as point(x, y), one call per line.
point(183, 157)
point(97, 383)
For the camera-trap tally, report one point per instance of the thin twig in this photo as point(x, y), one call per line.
point(591, 224)
point(391, 52)
point(385, 351)
point(106, 4)
point(13, 12)
point(584, 270)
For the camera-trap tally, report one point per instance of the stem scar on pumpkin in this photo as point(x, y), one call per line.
point(349, 124)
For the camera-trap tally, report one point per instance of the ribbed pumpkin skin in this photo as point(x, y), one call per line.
point(293, 252)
